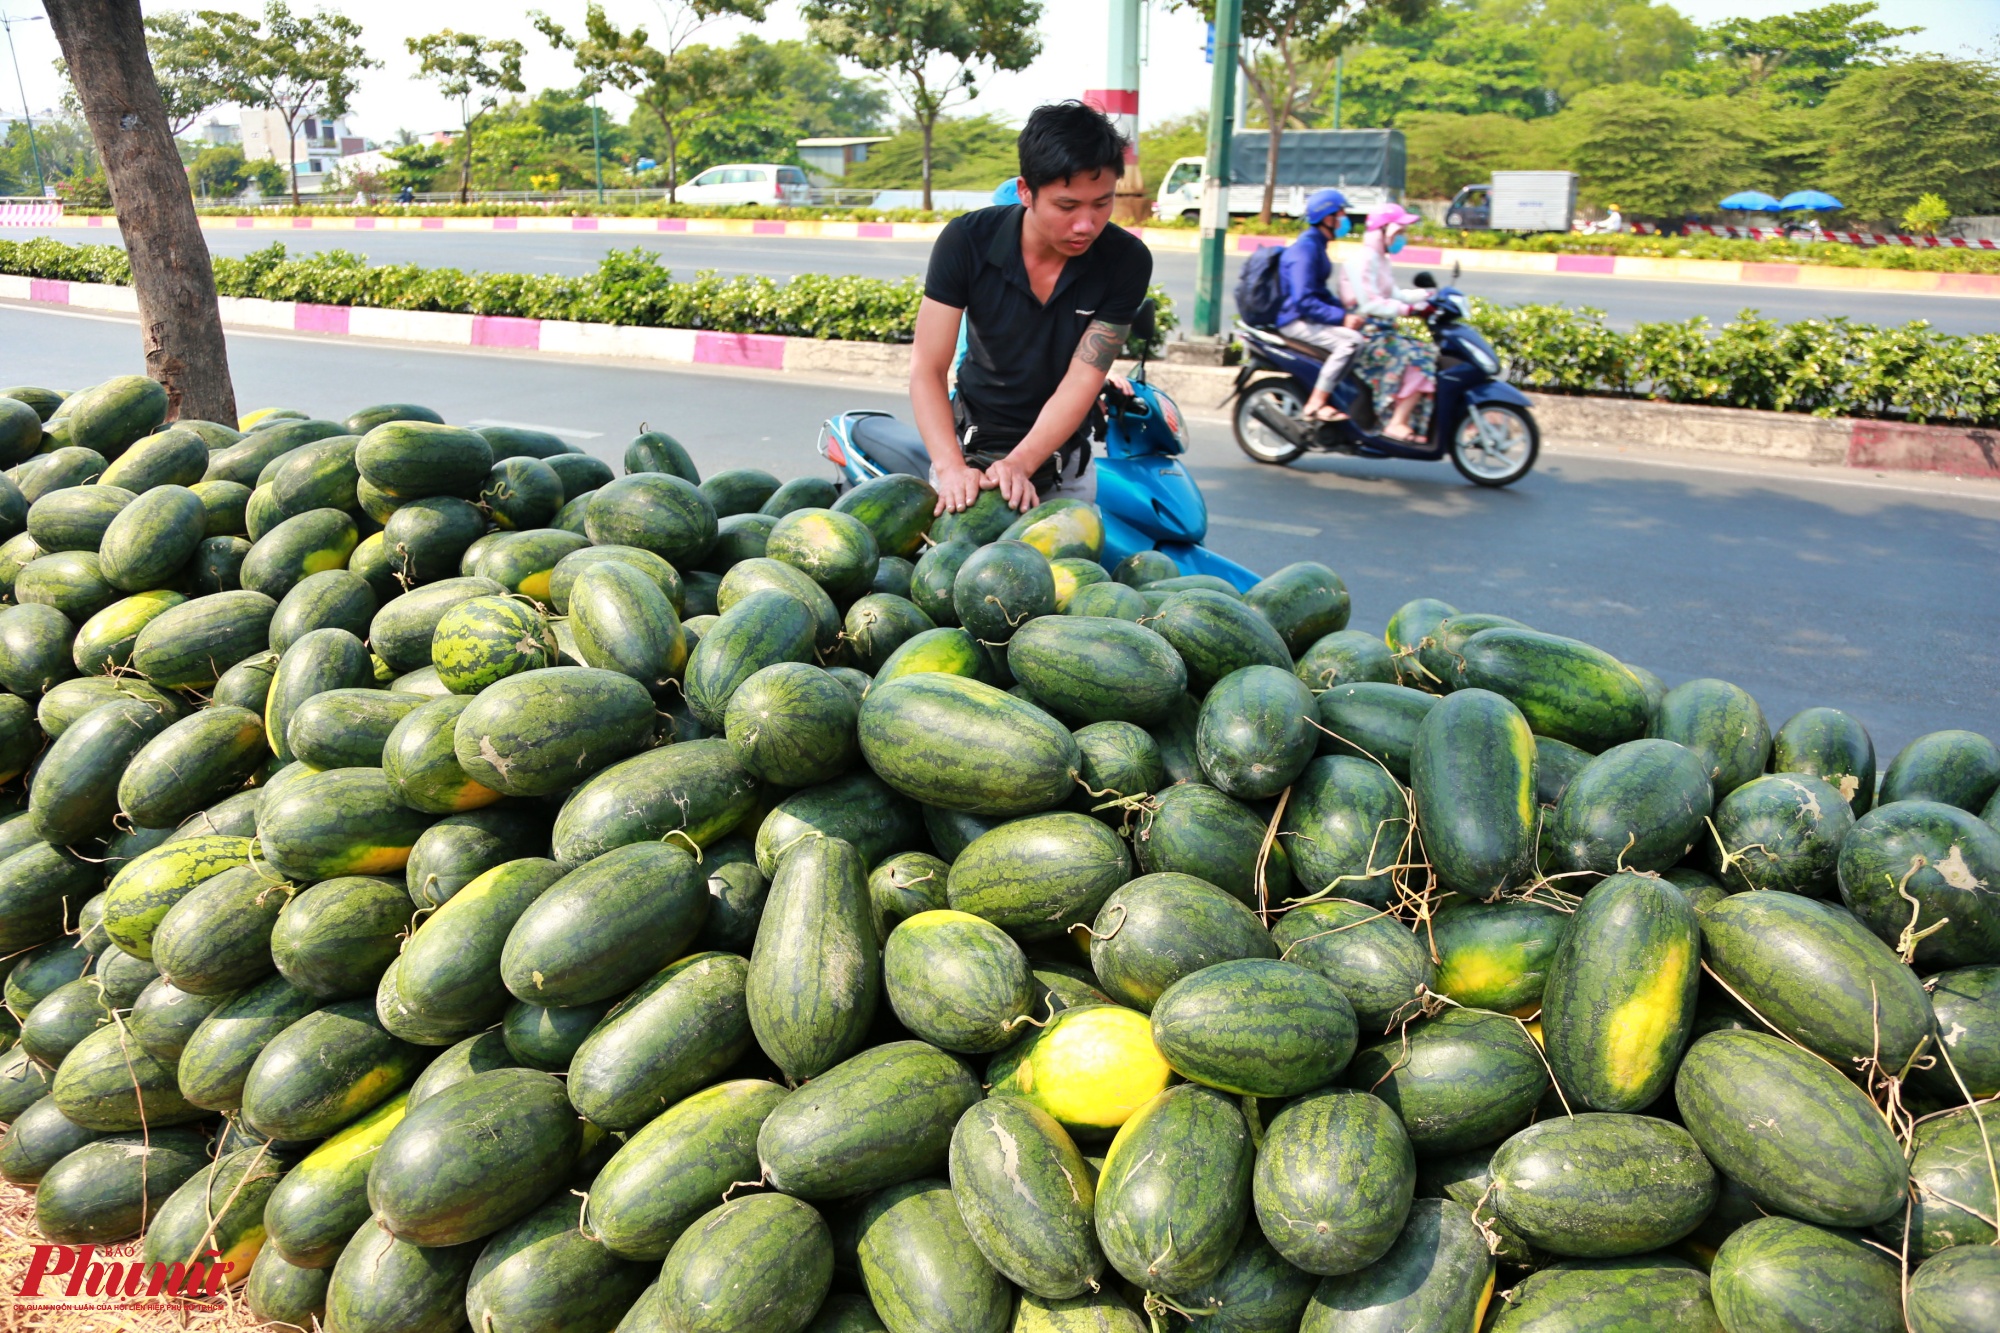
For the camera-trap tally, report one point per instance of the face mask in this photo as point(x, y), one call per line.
point(1346, 225)
point(1396, 246)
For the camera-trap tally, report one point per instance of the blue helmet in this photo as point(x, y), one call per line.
point(1008, 191)
point(1323, 205)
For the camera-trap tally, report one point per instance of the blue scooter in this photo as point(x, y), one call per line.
point(1485, 425)
point(1146, 497)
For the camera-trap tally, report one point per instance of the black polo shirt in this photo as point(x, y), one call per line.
point(1017, 349)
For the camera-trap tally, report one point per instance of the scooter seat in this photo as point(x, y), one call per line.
point(1306, 349)
point(892, 446)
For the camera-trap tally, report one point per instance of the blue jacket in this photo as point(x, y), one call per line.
point(1305, 268)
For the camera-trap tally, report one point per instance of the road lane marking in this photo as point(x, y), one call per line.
point(1263, 525)
point(546, 430)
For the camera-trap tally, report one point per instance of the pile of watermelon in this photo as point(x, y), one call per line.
point(447, 883)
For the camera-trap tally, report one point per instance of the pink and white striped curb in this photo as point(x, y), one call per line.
point(702, 347)
point(1867, 238)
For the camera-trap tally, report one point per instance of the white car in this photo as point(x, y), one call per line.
point(747, 183)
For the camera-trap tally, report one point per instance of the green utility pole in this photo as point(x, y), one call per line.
point(1215, 180)
point(1339, 68)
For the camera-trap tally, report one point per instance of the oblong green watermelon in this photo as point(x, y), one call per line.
point(958, 743)
point(1026, 1195)
point(878, 1119)
point(1174, 1194)
point(1334, 1180)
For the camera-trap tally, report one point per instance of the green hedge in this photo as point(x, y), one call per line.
point(1827, 367)
point(629, 287)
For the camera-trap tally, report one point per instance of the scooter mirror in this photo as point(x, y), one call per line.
point(1144, 324)
point(1425, 279)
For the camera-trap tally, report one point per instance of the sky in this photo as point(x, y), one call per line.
point(1174, 79)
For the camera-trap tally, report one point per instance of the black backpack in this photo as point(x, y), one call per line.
point(1260, 288)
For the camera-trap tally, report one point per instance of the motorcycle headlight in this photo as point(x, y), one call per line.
point(1461, 304)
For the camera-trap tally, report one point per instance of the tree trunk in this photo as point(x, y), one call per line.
point(1276, 122)
point(930, 124)
point(465, 169)
point(180, 325)
point(292, 162)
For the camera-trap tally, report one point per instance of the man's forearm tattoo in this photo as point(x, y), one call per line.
point(1101, 343)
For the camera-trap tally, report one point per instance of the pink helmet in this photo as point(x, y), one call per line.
point(1391, 215)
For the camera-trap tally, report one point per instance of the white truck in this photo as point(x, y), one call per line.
point(1367, 166)
point(1516, 201)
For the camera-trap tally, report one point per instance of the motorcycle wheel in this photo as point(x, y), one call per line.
point(1496, 467)
point(1255, 438)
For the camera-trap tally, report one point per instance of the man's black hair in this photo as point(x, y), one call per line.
point(1065, 139)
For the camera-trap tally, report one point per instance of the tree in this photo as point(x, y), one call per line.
point(790, 90)
point(1660, 154)
point(1288, 51)
point(1799, 56)
point(971, 153)
point(418, 165)
point(1589, 44)
point(180, 323)
point(928, 50)
point(189, 83)
point(471, 69)
point(1462, 58)
point(1923, 126)
point(678, 80)
point(290, 64)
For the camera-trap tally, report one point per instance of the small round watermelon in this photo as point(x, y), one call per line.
point(485, 639)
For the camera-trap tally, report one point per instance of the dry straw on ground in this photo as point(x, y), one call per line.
point(18, 1237)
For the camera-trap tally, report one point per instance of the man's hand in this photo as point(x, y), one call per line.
point(957, 487)
point(1012, 480)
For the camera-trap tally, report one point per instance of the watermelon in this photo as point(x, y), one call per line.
point(1108, 601)
point(345, 821)
point(579, 473)
point(1334, 1180)
point(545, 1271)
point(1652, 1292)
point(763, 629)
point(1565, 689)
point(1618, 1009)
point(1120, 762)
point(320, 475)
point(325, 1071)
point(347, 728)
point(220, 1209)
point(475, 1157)
point(656, 512)
point(1255, 1027)
point(1951, 1194)
point(544, 731)
point(736, 494)
point(951, 651)
point(1039, 876)
point(169, 457)
point(448, 972)
point(656, 451)
point(879, 1119)
point(23, 1082)
point(1091, 1067)
point(1096, 669)
point(1436, 1274)
point(1816, 974)
point(75, 518)
point(1025, 1196)
point(878, 624)
point(1460, 1080)
point(368, 418)
point(192, 644)
point(474, 1055)
point(411, 459)
point(1790, 1127)
point(678, 1167)
point(1496, 955)
point(963, 745)
point(1378, 964)
point(1174, 1193)
point(1344, 657)
point(107, 1083)
point(62, 1019)
point(1059, 528)
point(896, 509)
point(333, 598)
point(336, 938)
point(37, 973)
point(678, 1030)
point(1473, 773)
point(1099, 1312)
point(216, 1056)
point(58, 468)
point(222, 504)
point(1960, 768)
point(248, 683)
point(1956, 1292)
point(547, 1036)
point(36, 648)
point(425, 539)
point(978, 523)
point(1832, 746)
point(1158, 928)
point(383, 1284)
point(567, 570)
point(1255, 733)
point(401, 631)
point(105, 1191)
point(800, 493)
point(957, 981)
point(1304, 602)
point(920, 1265)
point(217, 566)
point(1601, 1185)
point(606, 926)
point(420, 760)
point(1373, 721)
point(486, 639)
point(1966, 1002)
point(1722, 724)
point(37, 1139)
point(695, 787)
point(813, 981)
point(317, 540)
point(110, 416)
point(217, 939)
point(762, 1262)
point(522, 493)
point(1001, 587)
point(1072, 575)
point(792, 724)
point(40, 885)
point(74, 792)
point(278, 1292)
point(936, 573)
point(324, 659)
point(1922, 875)
point(762, 575)
point(624, 622)
point(1216, 634)
point(1638, 806)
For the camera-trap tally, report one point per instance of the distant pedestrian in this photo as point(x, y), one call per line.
point(406, 195)
point(361, 198)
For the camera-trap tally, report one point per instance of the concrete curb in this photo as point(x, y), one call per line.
point(1766, 274)
point(1565, 420)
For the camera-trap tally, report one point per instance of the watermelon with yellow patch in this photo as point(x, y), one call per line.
point(1060, 529)
point(1091, 1068)
point(487, 639)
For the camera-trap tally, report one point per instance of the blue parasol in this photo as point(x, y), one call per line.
point(1750, 201)
point(1817, 200)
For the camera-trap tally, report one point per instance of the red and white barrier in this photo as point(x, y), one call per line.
point(40, 213)
point(1866, 238)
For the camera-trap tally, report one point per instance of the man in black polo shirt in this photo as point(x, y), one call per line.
point(1048, 290)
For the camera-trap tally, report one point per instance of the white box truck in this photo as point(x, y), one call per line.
point(1516, 201)
point(1368, 166)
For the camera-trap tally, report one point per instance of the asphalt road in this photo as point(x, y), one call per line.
point(1805, 588)
point(1625, 300)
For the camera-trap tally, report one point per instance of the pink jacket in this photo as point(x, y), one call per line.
point(1368, 283)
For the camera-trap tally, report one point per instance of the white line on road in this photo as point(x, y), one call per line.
point(547, 430)
point(1263, 525)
